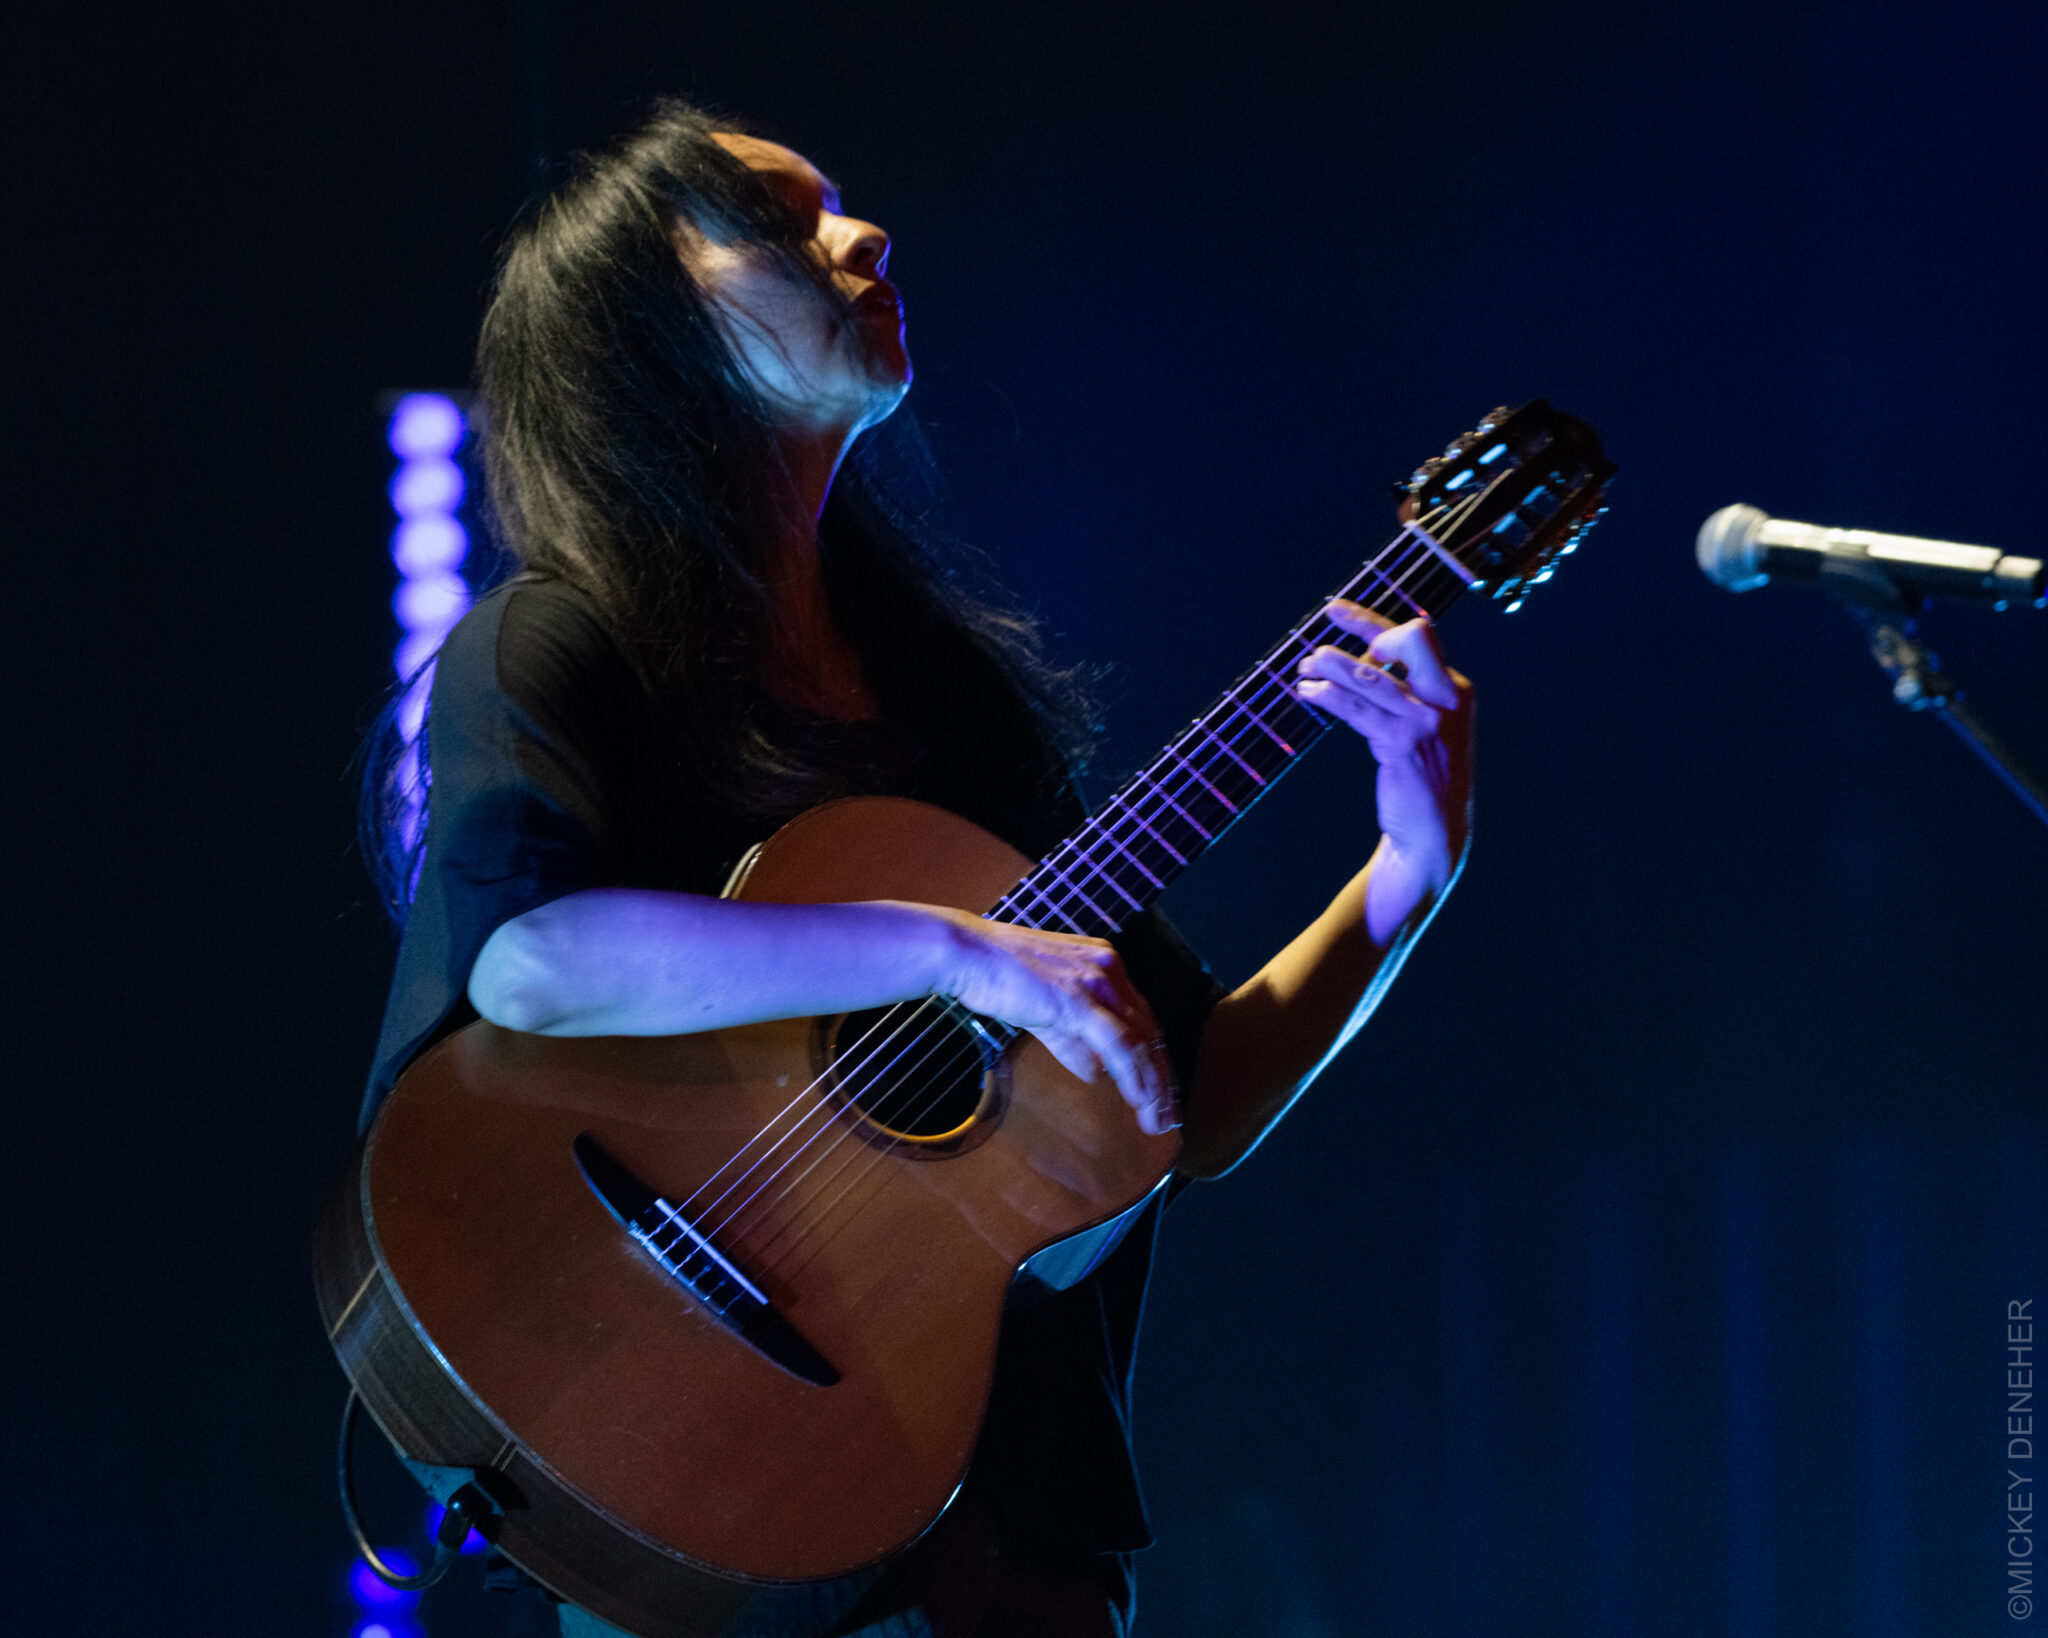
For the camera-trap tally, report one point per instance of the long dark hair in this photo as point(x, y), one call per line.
point(628, 454)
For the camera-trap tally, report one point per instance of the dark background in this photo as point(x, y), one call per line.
point(1642, 1270)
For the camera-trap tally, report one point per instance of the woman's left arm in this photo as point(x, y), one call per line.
point(1267, 1040)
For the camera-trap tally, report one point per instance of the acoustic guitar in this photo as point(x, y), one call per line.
point(704, 1325)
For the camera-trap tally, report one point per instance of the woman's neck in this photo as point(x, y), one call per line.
point(808, 661)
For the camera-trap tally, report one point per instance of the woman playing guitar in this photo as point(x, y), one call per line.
point(720, 621)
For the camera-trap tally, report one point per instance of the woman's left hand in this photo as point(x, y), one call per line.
point(1416, 714)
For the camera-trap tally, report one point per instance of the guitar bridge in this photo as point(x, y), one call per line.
point(694, 1261)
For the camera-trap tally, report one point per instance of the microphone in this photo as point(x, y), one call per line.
point(1743, 548)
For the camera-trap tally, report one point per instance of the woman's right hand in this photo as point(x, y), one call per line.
point(1074, 995)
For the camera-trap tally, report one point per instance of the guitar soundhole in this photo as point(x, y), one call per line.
point(915, 1069)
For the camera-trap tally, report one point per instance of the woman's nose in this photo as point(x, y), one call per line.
point(857, 246)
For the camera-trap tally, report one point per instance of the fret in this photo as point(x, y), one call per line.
point(1012, 907)
point(1140, 863)
point(1232, 754)
point(1109, 876)
point(1172, 810)
point(1203, 782)
point(1413, 606)
point(1436, 550)
point(1146, 776)
point(1179, 858)
point(1096, 909)
point(1117, 859)
point(1286, 689)
point(1270, 727)
point(1244, 710)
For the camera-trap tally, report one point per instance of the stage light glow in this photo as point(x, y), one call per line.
point(430, 603)
point(430, 544)
point(412, 710)
point(414, 650)
point(425, 424)
point(372, 1592)
point(428, 548)
point(428, 488)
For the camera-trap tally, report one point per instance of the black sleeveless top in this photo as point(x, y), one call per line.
point(553, 770)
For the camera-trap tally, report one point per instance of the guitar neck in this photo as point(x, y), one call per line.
point(1177, 806)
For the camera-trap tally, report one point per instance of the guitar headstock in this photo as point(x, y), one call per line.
point(1510, 497)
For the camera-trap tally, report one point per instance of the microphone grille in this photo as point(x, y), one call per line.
point(1728, 550)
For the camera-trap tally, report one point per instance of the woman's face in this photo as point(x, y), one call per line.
point(827, 372)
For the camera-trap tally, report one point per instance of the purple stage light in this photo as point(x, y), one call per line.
point(425, 424)
point(428, 547)
point(430, 603)
point(414, 650)
point(429, 488)
point(412, 710)
point(371, 1592)
point(430, 544)
point(407, 772)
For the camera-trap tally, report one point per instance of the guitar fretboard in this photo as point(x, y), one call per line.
point(1182, 802)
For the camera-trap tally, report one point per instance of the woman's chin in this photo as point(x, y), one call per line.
point(883, 403)
point(888, 360)
point(888, 372)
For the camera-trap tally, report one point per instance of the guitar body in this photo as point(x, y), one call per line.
point(659, 1468)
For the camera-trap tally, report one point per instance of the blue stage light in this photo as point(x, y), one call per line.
point(412, 710)
point(425, 424)
point(430, 544)
point(414, 650)
point(431, 602)
point(373, 1593)
point(429, 488)
point(428, 548)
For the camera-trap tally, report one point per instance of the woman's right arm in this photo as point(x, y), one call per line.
point(630, 961)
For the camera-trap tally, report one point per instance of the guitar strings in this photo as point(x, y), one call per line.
point(1300, 634)
point(1252, 703)
point(932, 1041)
point(1056, 904)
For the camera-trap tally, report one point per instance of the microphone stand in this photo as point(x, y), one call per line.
point(1919, 683)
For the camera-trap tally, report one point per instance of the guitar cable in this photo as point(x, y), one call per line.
point(468, 1509)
